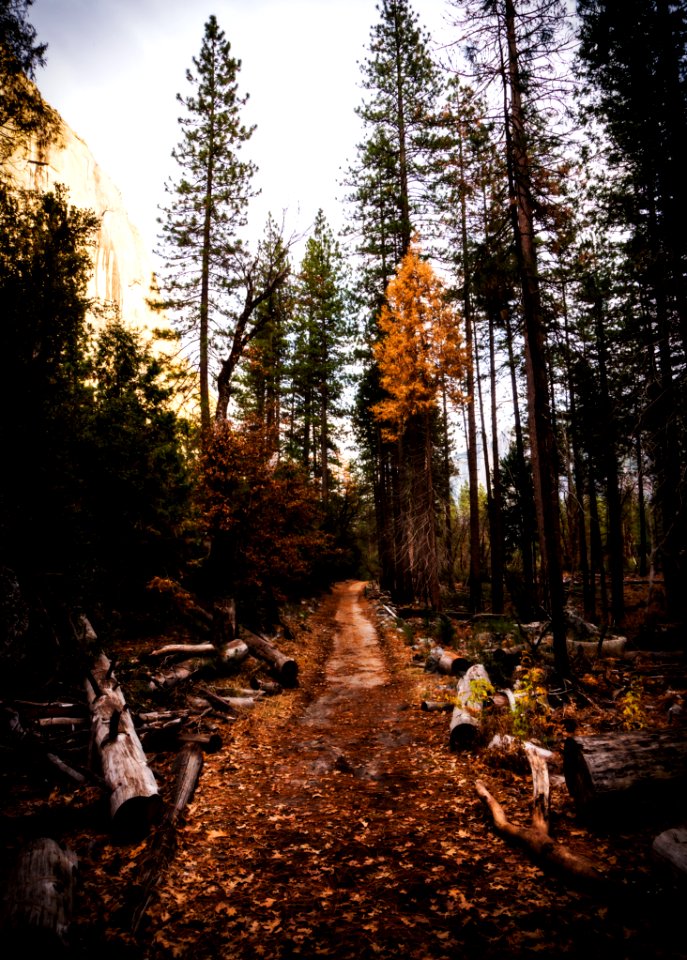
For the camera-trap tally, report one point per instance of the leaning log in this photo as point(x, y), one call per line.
point(285, 669)
point(135, 801)
point(39, 902)
point(473, 688)
point(607, 774)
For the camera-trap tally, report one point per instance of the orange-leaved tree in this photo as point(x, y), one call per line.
point(421, 358)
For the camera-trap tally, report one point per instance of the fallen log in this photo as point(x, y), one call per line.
point(622, 772)
point(175, 673)
point(234, 651)
point(436, 706)
point(284, 668)
point(135, 801)
point(227, 704)
point(473, 689)
point(448, 664)
point(269, 687)
point(188, 767)
point(40, 900)
point(670, 850)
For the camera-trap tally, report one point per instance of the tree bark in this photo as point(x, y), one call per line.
point(135, 801)
point(621, 773)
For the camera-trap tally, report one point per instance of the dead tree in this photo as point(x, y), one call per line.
point(536, 838)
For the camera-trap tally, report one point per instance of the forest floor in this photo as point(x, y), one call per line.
point(336, 822)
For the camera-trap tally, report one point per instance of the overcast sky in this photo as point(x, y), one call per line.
point(115, 66)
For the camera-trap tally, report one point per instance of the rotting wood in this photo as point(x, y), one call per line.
point(473, 688)
point(284, 668)
point(436, 706)
point(40, 900)
point(617, 773)
point(135, 800)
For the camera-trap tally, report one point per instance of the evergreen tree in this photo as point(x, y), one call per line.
point(23, 112)
point(201, 224)
point(322, 337)
point(633, 57)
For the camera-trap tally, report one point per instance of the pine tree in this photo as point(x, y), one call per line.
point(200, 226)
point(633, 57)
point(322, 336)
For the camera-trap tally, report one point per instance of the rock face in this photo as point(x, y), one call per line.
point(123, 272)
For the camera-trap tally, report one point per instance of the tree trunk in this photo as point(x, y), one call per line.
point(135, 801)
point(40, 900)
point(542, 438)
point(622, 773)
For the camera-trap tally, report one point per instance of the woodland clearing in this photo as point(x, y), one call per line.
point(335, 821)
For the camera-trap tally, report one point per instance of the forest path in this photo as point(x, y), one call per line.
point(337, 823)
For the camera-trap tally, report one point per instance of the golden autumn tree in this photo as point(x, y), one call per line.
point(421, 355)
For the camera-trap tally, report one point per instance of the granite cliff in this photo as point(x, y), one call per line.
point(123, 271)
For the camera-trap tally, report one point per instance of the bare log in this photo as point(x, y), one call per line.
point(436, 706)
point(670, 850)
point(448, 664)
point(188, 767)
point(285, 668)
point(473, 688)
point(171, 676)
point(234, 651)
point(619, 772)
point(135, 801)
point(40, 900)
point(227, 704)
point(269, 687)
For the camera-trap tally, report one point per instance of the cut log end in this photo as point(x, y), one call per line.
point(134, 818)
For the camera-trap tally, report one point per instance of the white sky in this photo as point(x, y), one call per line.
point(114, 68)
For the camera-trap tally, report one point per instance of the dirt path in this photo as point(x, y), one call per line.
point(336, 823)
